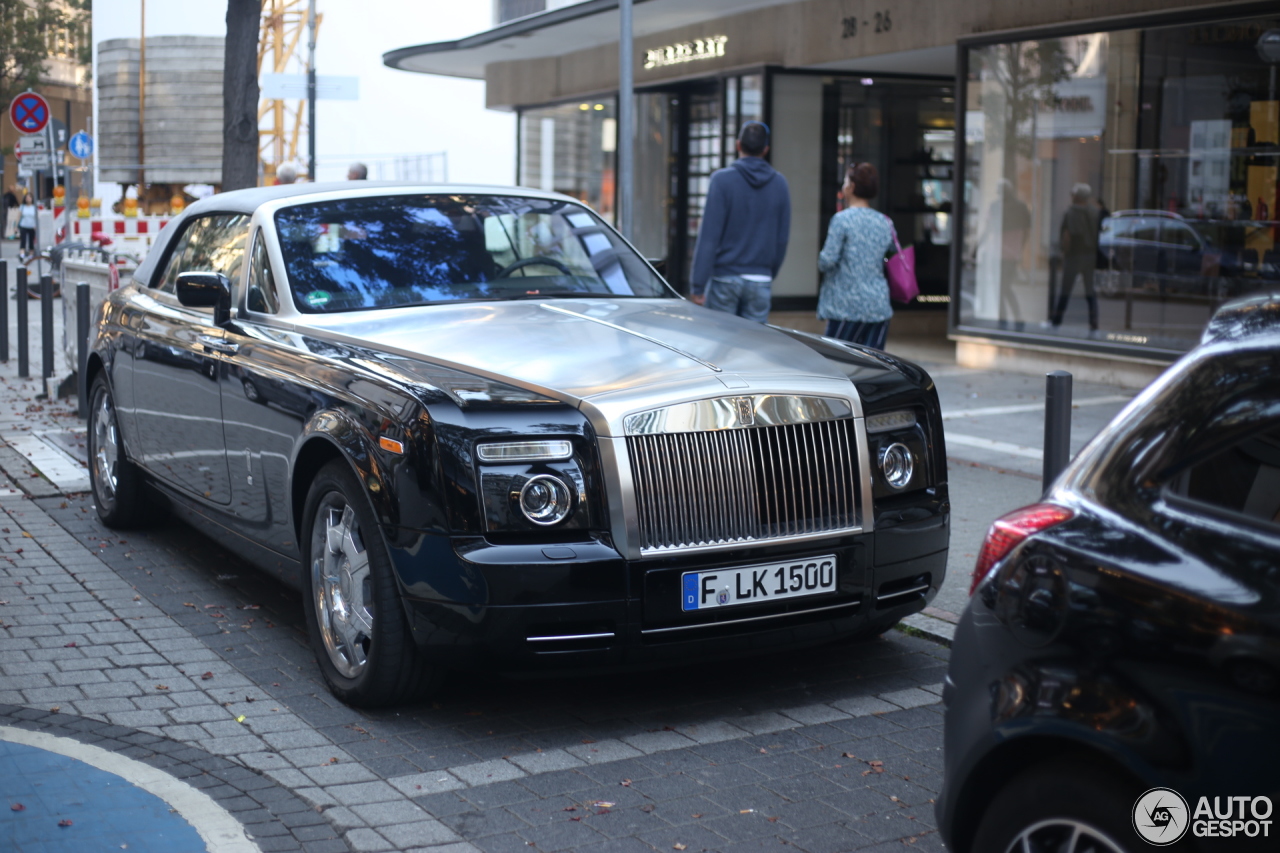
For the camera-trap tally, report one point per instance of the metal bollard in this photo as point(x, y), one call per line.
point(1057, 425)
point(4, 312)
point(24, 357)
point(46, 325)
point(82, 346)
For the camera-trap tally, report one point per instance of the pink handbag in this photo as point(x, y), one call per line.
point(900, 270)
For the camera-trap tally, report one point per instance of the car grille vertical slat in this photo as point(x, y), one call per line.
point(744, 485)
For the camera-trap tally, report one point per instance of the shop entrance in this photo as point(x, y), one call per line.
point(906, 129)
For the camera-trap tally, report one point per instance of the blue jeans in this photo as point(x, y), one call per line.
point(733, 294)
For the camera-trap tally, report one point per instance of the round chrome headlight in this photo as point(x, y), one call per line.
point(897, 464)
point(545, 499)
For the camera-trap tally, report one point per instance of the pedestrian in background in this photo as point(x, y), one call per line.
point(742, 239)
point(8, 210)
point(27, 225)
point(855, 294)
point(357, 172)
point(1079, 240)
point(287, 173)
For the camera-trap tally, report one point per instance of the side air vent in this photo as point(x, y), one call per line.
point(902, 591)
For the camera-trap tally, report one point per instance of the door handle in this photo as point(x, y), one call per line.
point(215, 343)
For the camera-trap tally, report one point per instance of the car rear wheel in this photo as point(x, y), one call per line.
point(1061, 807)
point(355, 618)
point(116, 482)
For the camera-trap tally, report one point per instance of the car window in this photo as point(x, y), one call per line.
point(1179, 234)
point(208, 244)
point(261, 295)
point(391, 251)
point(1118, 226)
point(1242, 479)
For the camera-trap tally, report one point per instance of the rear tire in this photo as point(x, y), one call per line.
point(1044, 807)
point(355, 616)
point(116, 482)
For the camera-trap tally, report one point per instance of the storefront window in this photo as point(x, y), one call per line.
point(571, 149)
point(1119, 186)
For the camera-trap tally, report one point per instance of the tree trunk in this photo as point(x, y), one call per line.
point(240, 96)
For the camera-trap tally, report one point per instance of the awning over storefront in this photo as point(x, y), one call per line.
point(557, 32)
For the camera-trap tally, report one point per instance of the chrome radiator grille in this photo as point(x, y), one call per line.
point(744, 485)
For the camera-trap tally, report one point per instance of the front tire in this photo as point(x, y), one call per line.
point(1063, 806)
point(116, 482)
point(355, 618)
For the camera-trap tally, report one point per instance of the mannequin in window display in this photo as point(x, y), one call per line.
point(1078, 237)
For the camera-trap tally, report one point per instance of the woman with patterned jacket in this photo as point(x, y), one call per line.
point(855, 293)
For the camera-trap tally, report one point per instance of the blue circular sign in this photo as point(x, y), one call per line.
point(29, 112)
point(80, 145)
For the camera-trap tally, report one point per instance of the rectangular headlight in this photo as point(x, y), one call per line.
point(890, 421)
point(524, 451)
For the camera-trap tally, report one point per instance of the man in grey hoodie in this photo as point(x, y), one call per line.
point(743, 236)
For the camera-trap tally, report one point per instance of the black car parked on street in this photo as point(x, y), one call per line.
point(1115, 680)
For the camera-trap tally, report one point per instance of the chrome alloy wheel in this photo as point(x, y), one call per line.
point(106, 444)
point(1062, 835)
point(340, 583)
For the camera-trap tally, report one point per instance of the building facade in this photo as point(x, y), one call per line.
point(1146, 128)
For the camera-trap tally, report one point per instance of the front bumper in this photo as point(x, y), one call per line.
point(472, 602)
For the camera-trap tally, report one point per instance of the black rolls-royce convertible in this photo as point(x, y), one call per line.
point(476, 428)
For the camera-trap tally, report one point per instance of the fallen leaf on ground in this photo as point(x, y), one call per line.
point(647, 808)
point(70, 645)
point(162, 687)
point(17, 807)
point(626, 783)
point(65, 822)
point(206, 676)
point(569, 809)
point(745, 811)
point(698, 815)
point(847, 755)
point(679, 846)
point(603, 804)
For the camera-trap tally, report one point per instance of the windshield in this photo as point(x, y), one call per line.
point(391, 251)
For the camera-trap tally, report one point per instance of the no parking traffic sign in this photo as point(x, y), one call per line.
point(29, 112)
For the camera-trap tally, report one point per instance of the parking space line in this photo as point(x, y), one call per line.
point(993, 445)
point(1021, 408)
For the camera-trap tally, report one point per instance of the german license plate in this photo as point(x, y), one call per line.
point(758, 584)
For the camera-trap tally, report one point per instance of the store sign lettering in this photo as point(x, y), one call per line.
point(685, 51)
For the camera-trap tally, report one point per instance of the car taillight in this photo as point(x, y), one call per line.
point(1009, 530)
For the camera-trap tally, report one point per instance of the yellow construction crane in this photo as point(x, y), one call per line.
point(280, 122)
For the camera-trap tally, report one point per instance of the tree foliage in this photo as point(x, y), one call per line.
point(25, 30)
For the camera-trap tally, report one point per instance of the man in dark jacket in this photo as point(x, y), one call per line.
point(743, 236)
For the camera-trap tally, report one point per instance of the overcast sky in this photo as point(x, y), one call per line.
point(398, 112)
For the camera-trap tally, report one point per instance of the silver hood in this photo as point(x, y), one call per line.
point(609, 357)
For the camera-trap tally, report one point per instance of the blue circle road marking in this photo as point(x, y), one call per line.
point(29, 113)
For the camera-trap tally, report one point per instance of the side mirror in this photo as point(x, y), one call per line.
point(206, 290)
